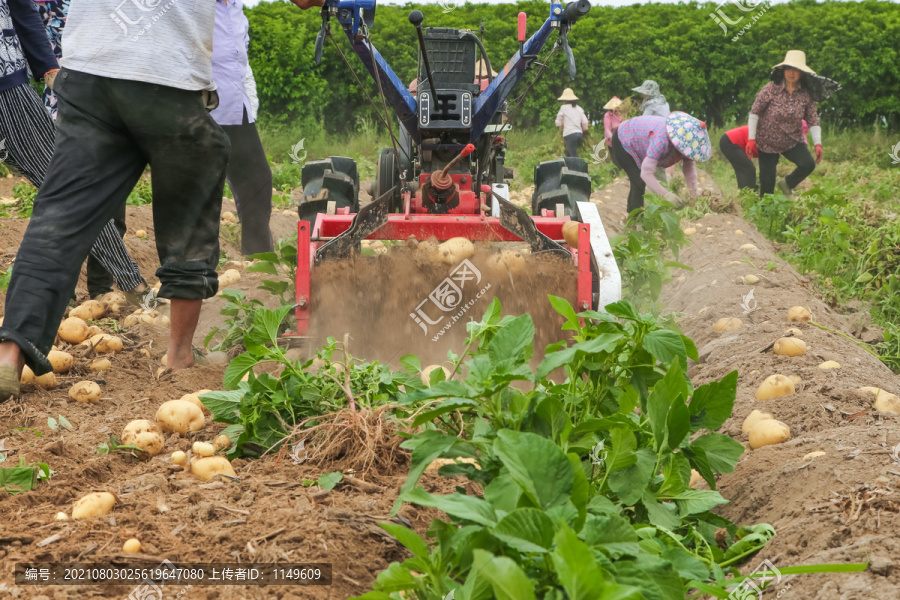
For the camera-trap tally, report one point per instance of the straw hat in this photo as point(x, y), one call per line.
point(796, 59)
point(613, 104)
point(568, 96)
point(689, 136)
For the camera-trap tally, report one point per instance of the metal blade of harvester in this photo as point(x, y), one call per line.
point(367, 221)
point(518, 222)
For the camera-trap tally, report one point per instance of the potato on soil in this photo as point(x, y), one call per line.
point(727, 324)
point(131, 546)
point(140, 233)
point(229, 277)
point(195, 400)
point(798, 314)
point(885, 402)
point(73, 330)
point(509, 261)
point(813, 455)
point(830, 364)
point(179, 458)
point(689, 231)
point(794, 332)
point(101, 364)
point(570, 233)
point(695, 478)
point(748, 247)
point(455, 250)
point(179, 416)
point(61, 361)
point(796, 379)
point(768, 432)
point(86, 392)
point(789, 346)
point(111, 298)
point(207, 468)
point(47, 381)
point(221, 442)
point(751, 279)
point(753, 418)
point(435, 465)
point(93, 505)
point(426, 373)
point(61, 516)
point(92, 309)
point(144, 434)
point(775, 386)
point(27, 375)
point(94, 330)
point(104, 343)
point(203, 449)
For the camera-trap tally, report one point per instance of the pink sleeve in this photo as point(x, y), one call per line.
point(689, 168)
point(607, 127)
point(648, 174)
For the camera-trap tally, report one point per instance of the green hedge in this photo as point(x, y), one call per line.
point(701, 69)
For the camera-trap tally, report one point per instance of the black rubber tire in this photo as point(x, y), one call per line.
point(387, 176)
point(562, 181)
point(334, 179)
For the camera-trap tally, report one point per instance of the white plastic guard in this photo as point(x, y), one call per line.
point(610, 285)
point(502, 190)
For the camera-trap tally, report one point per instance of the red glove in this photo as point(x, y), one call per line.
point(818, 153)
point(750, 149)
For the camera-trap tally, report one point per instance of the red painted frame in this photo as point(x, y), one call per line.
point(401, 227)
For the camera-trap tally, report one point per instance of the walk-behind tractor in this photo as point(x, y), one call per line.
point(443, 176)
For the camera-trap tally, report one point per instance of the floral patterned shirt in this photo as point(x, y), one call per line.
point(780, 115)
point(53, 13)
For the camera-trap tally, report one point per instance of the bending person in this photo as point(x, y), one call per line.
point(642, 144)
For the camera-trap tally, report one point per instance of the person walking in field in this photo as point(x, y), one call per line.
point(109, 262)
point(642, 144)
point(732, 145)
point(572, 122)
point(248, 174)
point(132, 91)
point(774, 126)
point(611, 118)
point(28, 131)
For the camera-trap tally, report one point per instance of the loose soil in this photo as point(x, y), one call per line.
point(840, 507)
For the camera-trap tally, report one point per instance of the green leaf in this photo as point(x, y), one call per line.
point(612, 534)
point(395, 578)
point(622, 449)
point(623, 309)
point(525, 530)
point(579, 573)
point(629, 483)
point(327, 481)
point(711, 404)
point(657, 579)
point(512, 341)
point(18, 479)
point(263, 266)
point(52, 424)
point(865, 278)
point(502, 492)
point(580, 490)
point(668, 397)
point(538, 465)
point(271, 321)
point(64, 422)
point(688, 566)
point(507, 579)
point(691, 502)
point(427, 446)
point(408, 538)
point(237, 368)
point(264, 257)
point(605, 342)
point(678, 423)
point(666, 346)
point(411, 363)
point(224, 406)
point(660, 514)
point(562, 306)
point(448, 405)
point(714, 453)
point(467, 508)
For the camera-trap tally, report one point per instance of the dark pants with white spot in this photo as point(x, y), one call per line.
point(109, 130)
point(799, 155)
